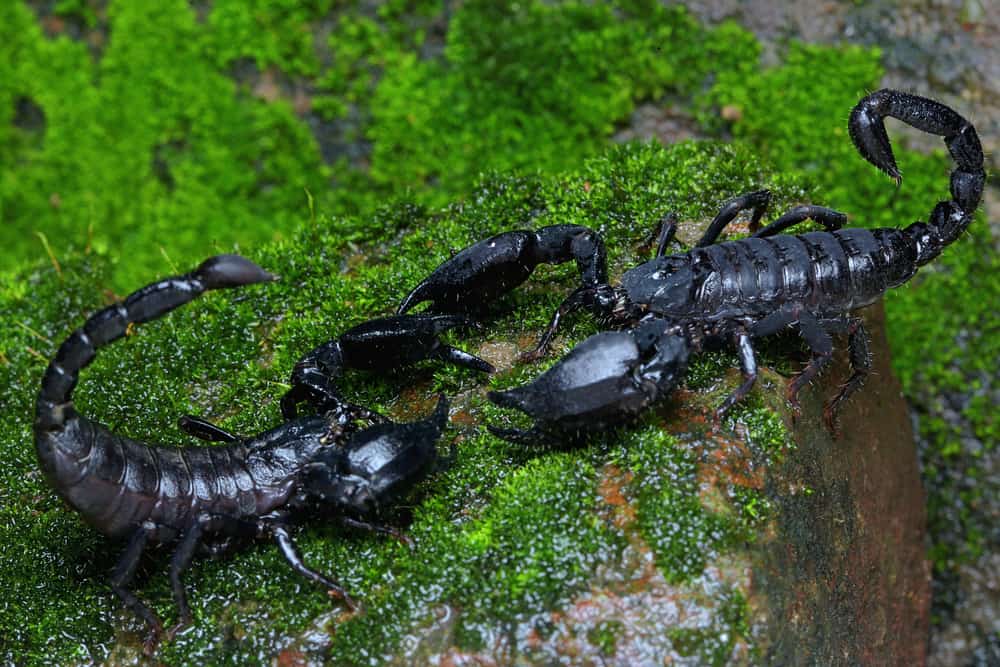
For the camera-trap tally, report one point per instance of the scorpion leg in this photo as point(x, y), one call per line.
point(462, 358)
point(748, 367)
point(376, 345)
point(815, 336)
point(578, 299)
point(189, 543)
point(382, 530)
point(830, 219)
point(315, 387)
point(488, 269)
point(821, 346)
point(178, 563)
point(755, 201)
point(861, 363)
point(287, 546)
point(121, 576)
point(204, 429)
point(664, 233)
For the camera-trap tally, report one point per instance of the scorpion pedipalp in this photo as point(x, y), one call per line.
point(476, 276)
point(380, 345)
point(211, 497)
point(730, 292)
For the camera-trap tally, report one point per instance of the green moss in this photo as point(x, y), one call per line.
point(503, 534)
point(938, 327)
point(148, 143)
point(496, 101)
point(271, 32)
point(671, 517)
point(606, 635)
point(173, 162)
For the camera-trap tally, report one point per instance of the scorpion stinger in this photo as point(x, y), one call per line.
point(735, 291)
point(209, 498)
point(949, 218)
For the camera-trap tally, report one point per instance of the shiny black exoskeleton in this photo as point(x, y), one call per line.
point(376, 345)
point(673, 305)
point(213, 497)
point(607, 378)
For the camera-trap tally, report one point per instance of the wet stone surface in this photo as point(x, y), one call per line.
point(834, 573)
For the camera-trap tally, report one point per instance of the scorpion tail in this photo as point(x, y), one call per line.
point(949, 218)
point(55, 407)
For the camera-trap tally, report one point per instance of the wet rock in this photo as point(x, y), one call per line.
point(847, 579)
point(835, 575)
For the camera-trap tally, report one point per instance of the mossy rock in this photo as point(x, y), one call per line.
point(760, 539)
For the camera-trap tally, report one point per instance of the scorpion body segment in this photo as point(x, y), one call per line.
point(736, 291)
point(211, 497)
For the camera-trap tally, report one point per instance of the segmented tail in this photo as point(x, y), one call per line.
point(55, 407)
point(949, 218)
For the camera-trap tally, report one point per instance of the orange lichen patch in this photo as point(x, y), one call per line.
point(611, 490)
point(414, 403)
point(463, 418)
point(683, 415)
point(527, 342)
point(291, 658)
point(726, 461)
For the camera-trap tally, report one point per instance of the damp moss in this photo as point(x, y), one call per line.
point(168, 150)
point(195, 127)
point(503, 534)
point(941, 325)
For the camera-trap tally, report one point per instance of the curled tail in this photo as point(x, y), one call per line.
point(949, 218)
point(55, 406)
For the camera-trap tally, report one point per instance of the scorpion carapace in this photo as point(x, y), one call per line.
point(673, 305)
point(214, 497)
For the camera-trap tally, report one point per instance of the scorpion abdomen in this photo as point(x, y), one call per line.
point(824, 272)
point(120, 483)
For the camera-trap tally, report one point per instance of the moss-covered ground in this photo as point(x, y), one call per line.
point(504, 533)
point(340, 143)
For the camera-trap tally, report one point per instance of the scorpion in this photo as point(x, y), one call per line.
point(216, 496)
point(673, 306)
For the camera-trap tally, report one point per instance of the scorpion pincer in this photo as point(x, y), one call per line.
point(212, 497)
point(673, 306)
point(379, 345)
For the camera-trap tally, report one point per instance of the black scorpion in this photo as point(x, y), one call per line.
point(213, 497)
point(674, 306)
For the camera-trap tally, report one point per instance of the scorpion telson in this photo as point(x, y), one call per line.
point(733, 292)
point(213, 497)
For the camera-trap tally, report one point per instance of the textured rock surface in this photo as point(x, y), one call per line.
point(847, 574)
point(837, 576)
